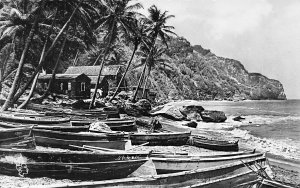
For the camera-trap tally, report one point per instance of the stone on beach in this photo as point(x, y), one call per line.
point(213, 116)
point(179, 112)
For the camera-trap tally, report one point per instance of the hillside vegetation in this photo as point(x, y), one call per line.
point(197, 73)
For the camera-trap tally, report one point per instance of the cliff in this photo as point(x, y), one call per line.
point(197, 73)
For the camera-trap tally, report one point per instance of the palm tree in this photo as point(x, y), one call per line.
point(84, 12)
point(16, 81)
point(137, 37)
point(38, 68)
point(157, 29)
point(155, 59)
point(118, 14)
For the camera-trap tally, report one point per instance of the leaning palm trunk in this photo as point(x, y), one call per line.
point(39, 67)
point(101, 65)
point(123, 77)
point(14, 87)
point(24, 104)
point(141, 78)
point(51, 81)
point(146, 80)
point(139, 83)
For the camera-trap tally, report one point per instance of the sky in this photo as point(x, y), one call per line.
point(263, 34)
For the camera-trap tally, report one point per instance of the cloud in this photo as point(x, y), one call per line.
point(262, 34)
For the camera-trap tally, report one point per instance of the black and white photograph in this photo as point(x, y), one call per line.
point(150, 93)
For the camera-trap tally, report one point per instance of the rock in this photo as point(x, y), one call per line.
point(238, 118)
point(192, 112)
point(131, 109)
point(123, 95)
point(144, 106)
point(171, 112)
point(192, 124)
point(213, 116)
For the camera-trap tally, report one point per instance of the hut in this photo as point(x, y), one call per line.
point(110, 76)
point(76, 86)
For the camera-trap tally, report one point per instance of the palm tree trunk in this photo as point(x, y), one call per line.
point(123, 77)
point(146, 80)
point(140, 80)
point(51, 81)
point(13, 88)
point(24, 104)
point(76, 58)
point(39, 67)
point(139, 83)
point(102, 64)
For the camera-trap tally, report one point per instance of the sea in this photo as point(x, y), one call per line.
point(269, 125)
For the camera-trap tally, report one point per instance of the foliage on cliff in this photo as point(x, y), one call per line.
point(197, 73)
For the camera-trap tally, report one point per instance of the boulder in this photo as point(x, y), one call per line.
point(213, 116)
point(144, 106)
point(238, 118)
point(131, 109)
point(192, 112)
point(192, 124)
point(170, 112)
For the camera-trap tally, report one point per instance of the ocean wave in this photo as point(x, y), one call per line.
point(283, 147)
point(261, 120)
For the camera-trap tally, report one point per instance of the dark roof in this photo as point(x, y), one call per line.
point(60, 76)
point(111, 70)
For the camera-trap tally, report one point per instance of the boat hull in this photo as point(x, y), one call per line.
point(65, 144)
point(156, 139)
point(77, 171)
point(215, 144)
point(225, 176)
point(171, 165)
point(71, 156)
point(32, 119)
point(77, 136)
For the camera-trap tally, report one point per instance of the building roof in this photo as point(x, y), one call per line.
point(60, 76)
point(111, 70)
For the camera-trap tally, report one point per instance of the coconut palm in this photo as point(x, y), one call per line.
point(16, 81)
point(118, 14)
point(77, 10)
point(136, 37)
point(38, 68)
point(157, 29)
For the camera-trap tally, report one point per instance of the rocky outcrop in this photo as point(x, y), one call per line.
point(197, 73)
point(179, 112)
point(213, 116)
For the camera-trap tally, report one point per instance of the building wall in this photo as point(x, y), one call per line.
point(73, 90)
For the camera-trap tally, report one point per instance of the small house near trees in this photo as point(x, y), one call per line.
point(76, 86)
point(110, 76)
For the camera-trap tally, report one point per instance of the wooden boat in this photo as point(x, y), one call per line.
point(32, 119)
point(55, 127)
point(180, 155)
point(66, 156)
point(63, 143)
point(13, 134)
point(272, 184)
point(214, 144)
point(127, 125)
point(79, 136)
point(158, 139)
point(171, 165)
point(225, 176)
point(77, 171)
